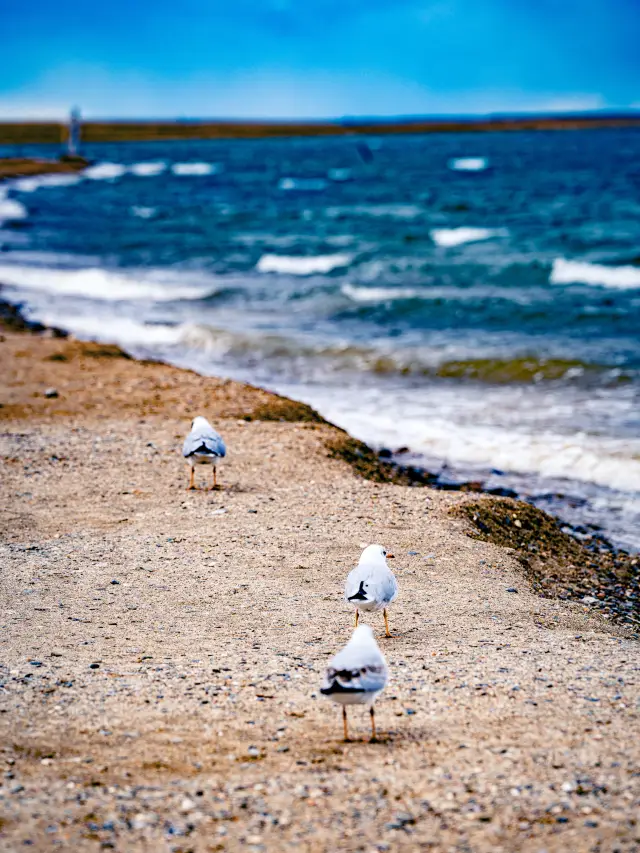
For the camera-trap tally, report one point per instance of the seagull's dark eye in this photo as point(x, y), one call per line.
point(384, 553)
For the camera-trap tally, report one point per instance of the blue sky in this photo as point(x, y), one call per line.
point(316, 58)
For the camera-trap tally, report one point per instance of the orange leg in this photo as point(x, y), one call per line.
point(214, 482)
point(373, 723)
point(192, 484)
point(386, 622)
point(357, 616)
point(344, 723)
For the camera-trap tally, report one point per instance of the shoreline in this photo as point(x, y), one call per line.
point(162, 649)
point(29, 133)
point(27, 167)
point(572, 564)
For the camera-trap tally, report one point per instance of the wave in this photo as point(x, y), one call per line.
point(194, 169)
point(118, 330)
point(143, 212)
point(148, 169)
point(30, 185)
point(105, 171)
point(340, 175)
point(468, 164)
point(457, 236)
point(298, 265)
point(589, 458)
point(581, 272)
point(380, 294)
point(104, 285)
point(302, 184)
point(376, 211)
point(10, 209)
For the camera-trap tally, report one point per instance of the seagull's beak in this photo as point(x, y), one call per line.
point(390, 557)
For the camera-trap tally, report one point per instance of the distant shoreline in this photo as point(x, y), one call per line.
point(27, 167)
point(34, 132)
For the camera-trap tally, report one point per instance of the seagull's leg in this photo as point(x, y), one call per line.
point(386, 622)
point(373, 723)
point(192, 484)
point(357, 616)
point(344, 723)
point(213, 482)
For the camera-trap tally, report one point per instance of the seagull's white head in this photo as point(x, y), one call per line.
point(362, 634)
point(375, 554)
point(199, 422)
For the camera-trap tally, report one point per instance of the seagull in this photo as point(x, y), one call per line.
point(372, 584)
point(203, 446)
point(356, 675)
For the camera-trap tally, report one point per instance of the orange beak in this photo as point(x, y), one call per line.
point(390, 557)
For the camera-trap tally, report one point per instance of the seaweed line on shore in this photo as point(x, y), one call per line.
point(560, 562)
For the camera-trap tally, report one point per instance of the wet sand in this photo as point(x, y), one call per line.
point(161, 650)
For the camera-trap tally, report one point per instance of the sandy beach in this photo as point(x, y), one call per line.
point(162, 649)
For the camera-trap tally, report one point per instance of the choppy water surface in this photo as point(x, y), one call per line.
point(473, 298)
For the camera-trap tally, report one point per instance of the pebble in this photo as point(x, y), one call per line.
point(51, 393)
point(114, 581)
point(511, 589)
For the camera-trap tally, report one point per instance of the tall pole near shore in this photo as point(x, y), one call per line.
point(73, 136)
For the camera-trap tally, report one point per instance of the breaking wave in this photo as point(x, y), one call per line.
point(105, 171)
point(148, 169)
point(292, 265)
point(195, 169)
point(101, 284)
point(468, 164)
point(10, 209)
point(380, 294)
point(581, 272)
point(30, 185)
point(457, 236)
point(302, 184)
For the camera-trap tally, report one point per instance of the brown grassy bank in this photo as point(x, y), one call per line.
point(16, 133)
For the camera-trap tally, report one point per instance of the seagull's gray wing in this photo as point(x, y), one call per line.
point(352, 586)
point(388, 588)
point(366, 679)
point(205, 441)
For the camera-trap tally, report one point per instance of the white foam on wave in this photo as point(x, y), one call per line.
point(117, 330)
point(194, 169)
point(378, 294)
point(10, 209)
point(104, 285)
point(581, 272)
point(302, 184)
point(430, 425)
point(468, 164)
point(298, 265)
point(148, 169)
point(30, 185)
point(143, 212)
point(458, 236)
point(105, 171)
point(340, 175)
point(376, 211)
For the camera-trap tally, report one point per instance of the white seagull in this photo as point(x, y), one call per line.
point(203, 446)
point(356, 675)
point(372, 584)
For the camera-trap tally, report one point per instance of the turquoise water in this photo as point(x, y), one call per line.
point(351, 272)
